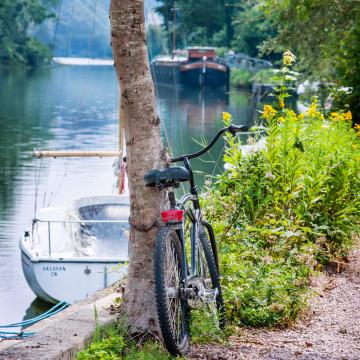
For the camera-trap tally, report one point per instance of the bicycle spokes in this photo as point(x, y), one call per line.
point(173, 282)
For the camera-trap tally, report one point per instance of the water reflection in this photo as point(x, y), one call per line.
point(76, 107)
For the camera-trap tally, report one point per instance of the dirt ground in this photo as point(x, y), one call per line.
point(329, 331)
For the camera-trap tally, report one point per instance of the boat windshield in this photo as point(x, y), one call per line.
point(103, 231)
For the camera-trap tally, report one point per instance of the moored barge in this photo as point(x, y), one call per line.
point(197, 67)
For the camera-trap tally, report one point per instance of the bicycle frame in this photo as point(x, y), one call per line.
point(194, 215)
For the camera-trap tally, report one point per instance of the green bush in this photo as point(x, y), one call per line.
point(240, 78)
point(264, 76)
point(284, 211)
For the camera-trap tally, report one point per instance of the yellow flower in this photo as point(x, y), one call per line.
point(269, 112)
point(357, 129)
point(288, 58)
point(281, 119)
point(281, 103)
point(226, 116)
point(291, 113)
point(301, 117)
point(312, 110)
point(348, 116)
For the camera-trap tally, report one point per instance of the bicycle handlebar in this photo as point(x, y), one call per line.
point(232, 129)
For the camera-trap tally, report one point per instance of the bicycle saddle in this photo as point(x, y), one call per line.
point(167, 177)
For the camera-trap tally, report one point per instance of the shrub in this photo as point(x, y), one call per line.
point(284, 211)
point(240, 78)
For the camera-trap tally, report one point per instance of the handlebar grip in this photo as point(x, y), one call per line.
point(233, 129)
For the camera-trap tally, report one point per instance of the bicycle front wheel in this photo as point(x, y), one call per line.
point(209, 274)
point(169, 275)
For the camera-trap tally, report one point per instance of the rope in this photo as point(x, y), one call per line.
point(57, 24)
point(142, 227)
point(22, 334)
point(55, 189)
point(37, 173)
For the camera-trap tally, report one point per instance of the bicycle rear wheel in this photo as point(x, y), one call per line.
point(172, 309)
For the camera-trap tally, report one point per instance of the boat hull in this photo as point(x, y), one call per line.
point(166, 74)
point(195, 74)
point(70, 280)
point(205, 75)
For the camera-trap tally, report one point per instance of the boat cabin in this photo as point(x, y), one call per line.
point(201, 52)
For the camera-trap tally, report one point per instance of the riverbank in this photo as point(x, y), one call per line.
point(65, 334)
point(329, 330)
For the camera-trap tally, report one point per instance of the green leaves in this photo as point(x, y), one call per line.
point(282, 213)
point(17, 45)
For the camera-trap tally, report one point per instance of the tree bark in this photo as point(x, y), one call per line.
point(144, 151)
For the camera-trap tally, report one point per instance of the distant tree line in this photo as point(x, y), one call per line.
point(17, 18)
point(239, 25)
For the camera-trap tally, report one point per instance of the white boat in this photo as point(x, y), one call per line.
point(69, 254)
point(74, 61)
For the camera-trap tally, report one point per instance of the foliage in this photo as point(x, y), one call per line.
point(285, 211)
point(251, 29)
point(204, 327)
point(156, 40)
point(326, 33)
point(240, 78)
point(112, 343)
point(16, 19)
point(199, 22)
point(265, 76)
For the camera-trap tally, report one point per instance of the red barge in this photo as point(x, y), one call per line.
point(196, 67)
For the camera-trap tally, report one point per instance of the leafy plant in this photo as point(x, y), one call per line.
point(240, 78)
point(113, 343)
point(17, 45)
point(285, 211)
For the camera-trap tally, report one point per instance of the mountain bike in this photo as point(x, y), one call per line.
point(186, 266)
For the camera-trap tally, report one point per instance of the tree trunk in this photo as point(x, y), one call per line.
point(144, 151)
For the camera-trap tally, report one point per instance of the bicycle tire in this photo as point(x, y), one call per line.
point(176, 343)
point(214, 275)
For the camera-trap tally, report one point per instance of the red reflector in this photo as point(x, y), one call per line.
point(172, 215)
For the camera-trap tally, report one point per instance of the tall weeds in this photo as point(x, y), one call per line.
point(286, 211)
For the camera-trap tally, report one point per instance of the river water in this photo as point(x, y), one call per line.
point(61, 108)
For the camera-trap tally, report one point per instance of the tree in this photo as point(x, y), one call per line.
point(16, 19)
point(251, 28)
point(325, 35)
point(156, 40)
point(144, 152)
point(198, 21)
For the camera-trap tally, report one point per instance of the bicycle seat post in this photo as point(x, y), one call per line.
point(172, 200)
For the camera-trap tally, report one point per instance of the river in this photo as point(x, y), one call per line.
point(76, 108)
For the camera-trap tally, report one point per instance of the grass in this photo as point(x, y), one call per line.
point(113, 343)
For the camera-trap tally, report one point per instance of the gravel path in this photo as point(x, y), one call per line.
point(330, 331)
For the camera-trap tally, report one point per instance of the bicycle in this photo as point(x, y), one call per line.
point(185, 279)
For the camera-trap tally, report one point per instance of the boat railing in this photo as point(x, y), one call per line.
point(80, 221)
